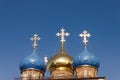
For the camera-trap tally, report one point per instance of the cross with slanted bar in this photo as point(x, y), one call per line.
point(63, 34)
point(85, 35)
point(35, 38)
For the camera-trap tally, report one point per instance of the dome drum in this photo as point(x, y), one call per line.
point(61, 74)
point(31, 73)
point(86, 71)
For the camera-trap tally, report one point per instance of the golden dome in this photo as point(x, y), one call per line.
point(60, 61)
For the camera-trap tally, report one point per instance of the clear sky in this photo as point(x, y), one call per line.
point(20, 19)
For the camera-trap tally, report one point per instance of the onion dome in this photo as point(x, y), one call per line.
point(60, 61)
point(86, 58)
point(33, 61)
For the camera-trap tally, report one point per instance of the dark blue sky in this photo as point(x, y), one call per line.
point(20, 19)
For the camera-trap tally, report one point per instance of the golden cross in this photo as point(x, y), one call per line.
point(35, 38)
point(85, 35)
point(63, 34)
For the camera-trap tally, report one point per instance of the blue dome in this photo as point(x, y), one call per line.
point(32, 61)
point(86, 58)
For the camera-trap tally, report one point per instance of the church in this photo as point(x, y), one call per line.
point(61, 66)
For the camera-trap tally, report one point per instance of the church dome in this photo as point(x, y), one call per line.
point(33, 61)
point(86, 58)
point(61, 59)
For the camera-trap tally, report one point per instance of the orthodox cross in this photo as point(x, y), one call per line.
point(35, 38)
point(63, 34)
point(85, 35)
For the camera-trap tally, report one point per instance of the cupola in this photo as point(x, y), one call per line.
point(86, 64)
point(60, 65)
point(32, 66)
